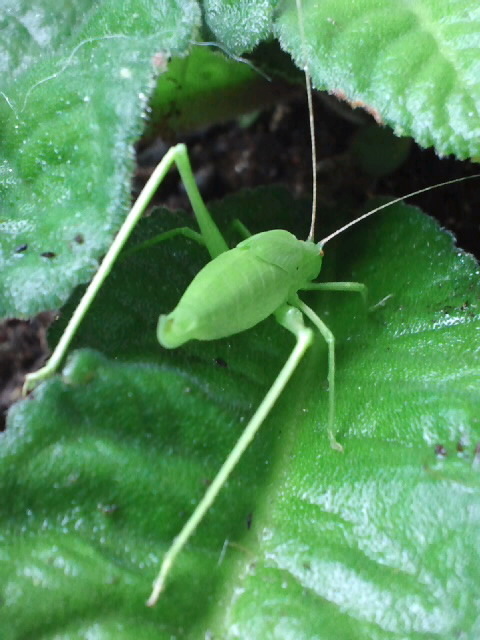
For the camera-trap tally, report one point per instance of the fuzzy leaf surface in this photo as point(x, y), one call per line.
point(412, 65)
point(76, 82)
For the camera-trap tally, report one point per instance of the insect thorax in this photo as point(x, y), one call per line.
point(300, 260)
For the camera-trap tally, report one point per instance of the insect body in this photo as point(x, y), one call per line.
point(236, 290)
point(241, 287)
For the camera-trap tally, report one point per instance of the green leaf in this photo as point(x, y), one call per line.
point(378, 151)
point(239, 25)
point(413, 65)
point(103, 464)
point(76, 86)
point(194, 80)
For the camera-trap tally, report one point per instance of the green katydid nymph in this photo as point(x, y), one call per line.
point(270, 268)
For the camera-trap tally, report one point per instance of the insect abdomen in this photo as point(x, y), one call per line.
point(230, 294)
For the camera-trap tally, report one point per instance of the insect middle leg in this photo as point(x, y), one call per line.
point(241, 229)
point(355, 287)
point(330, 340)
point(186, 232)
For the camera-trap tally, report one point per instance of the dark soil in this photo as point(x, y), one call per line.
point(275, 149)
point(23, 348)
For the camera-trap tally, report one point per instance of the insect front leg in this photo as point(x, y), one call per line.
point(354, 287)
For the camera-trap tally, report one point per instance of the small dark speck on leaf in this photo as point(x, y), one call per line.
point(249, 520)
point(221, 362)
point(21, 248)
point(79, 238)
point(72, 479)
point(440, 450)
point(48, 254)
point(460, 447)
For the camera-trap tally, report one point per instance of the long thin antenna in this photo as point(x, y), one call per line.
point(323, 242)
point(311, 120)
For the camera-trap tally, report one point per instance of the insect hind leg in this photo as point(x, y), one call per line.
point(292, 319)
point(210, 233)
point(214, 241)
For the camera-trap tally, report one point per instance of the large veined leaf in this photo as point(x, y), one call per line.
point(104, 463)
point(413, 65)
point(75, 88)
